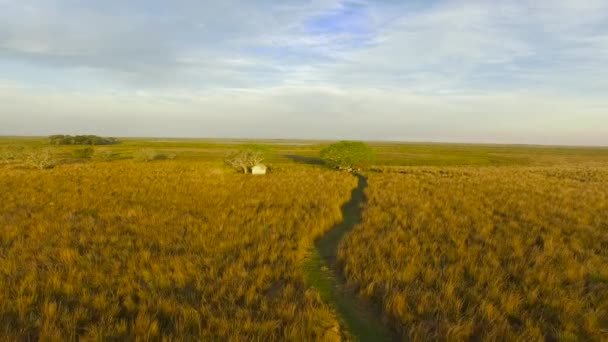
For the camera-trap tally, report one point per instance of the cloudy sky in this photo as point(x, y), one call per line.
point(527, 71)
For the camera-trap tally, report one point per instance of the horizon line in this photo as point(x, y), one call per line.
point(405, 142)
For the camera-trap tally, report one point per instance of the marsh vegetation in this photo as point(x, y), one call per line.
point(456, 242)
point(167, 249)
point(515, 253)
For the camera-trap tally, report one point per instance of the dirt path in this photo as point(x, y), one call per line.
point(358, 317)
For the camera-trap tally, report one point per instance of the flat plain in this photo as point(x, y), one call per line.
point(457, 242)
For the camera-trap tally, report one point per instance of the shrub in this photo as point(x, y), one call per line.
point(150, 155)
point(83, 153)
point(40, 159)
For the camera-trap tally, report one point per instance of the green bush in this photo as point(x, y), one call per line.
point(150, 155)
point(83, 153)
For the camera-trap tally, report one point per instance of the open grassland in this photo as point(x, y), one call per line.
point(388, 154)
point(486, 253)
point(175, 248)
point(156, 238)
point(426, 154)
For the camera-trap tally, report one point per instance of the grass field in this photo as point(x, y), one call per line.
point(457, 242)
point(185, 249)
point(486, 253)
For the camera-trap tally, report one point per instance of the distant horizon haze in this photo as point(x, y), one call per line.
point(311, 141)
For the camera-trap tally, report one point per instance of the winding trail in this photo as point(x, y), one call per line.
point(358, 317)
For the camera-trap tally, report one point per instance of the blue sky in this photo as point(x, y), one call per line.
point(463, 71)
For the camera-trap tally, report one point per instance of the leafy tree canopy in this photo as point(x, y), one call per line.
point(347, 155)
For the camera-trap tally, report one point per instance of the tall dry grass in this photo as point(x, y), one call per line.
point(170, 249)
point(511, 253)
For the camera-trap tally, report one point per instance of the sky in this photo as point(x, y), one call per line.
point(517, 71)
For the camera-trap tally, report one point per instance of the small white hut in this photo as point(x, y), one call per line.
point(258, 169)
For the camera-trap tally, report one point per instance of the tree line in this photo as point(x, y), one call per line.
point(81, 140)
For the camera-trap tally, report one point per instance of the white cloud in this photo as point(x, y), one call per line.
point(518, 71)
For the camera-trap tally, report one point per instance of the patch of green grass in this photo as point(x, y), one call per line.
point(360, 322)
point(357, 315)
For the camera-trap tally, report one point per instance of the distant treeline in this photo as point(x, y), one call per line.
point(81, 140)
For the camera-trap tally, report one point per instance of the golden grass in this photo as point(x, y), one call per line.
point(514, 253)
point(169, 249)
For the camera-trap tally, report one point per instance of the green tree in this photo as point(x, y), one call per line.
point(347, 155)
